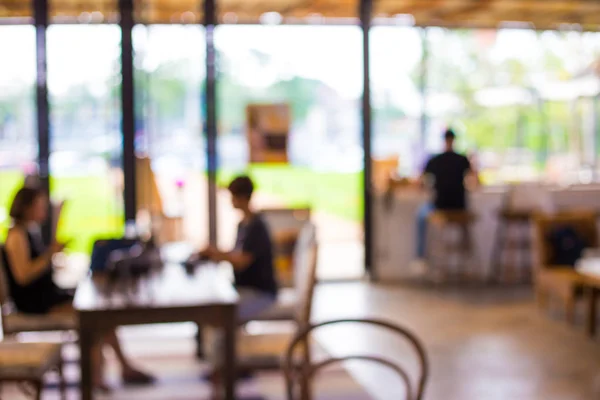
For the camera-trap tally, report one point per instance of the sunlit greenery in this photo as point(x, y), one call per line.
point(89, 215)
point(461, 63)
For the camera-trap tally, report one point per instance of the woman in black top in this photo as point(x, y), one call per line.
point(29, 273)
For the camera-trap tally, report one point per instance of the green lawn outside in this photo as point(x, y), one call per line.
point(94, 211)
point(340, 194)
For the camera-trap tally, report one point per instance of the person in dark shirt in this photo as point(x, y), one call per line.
point(252, 256)
point(445, 174)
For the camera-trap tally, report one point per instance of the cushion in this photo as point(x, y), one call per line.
point(19, 322)
point(283, 310)
point(27, 360)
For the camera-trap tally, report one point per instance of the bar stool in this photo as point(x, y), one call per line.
point(443, 246)
point(511, 255)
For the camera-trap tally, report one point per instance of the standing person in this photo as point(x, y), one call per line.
point(28, 268)
point(252, 256)
point(446, 174)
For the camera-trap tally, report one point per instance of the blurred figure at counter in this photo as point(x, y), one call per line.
point(446, 175)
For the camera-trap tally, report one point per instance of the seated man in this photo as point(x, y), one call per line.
point(252, 257)
point(446, 174)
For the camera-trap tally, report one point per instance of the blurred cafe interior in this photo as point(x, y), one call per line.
point(299, 199)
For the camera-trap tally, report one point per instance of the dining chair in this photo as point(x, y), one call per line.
point(14, 322)
point(28, 363)
point(302, 377)
point(560, 281)
point(264, 351)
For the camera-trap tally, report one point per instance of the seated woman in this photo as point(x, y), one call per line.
point(29, 275)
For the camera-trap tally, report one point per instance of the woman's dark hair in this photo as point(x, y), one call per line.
point(242, 186)
point(23, 200)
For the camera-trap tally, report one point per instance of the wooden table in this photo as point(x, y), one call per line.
point(589, 271)
point(205, 298)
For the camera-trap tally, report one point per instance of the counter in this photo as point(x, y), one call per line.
point(395, 220)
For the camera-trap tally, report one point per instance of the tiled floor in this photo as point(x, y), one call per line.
point(483, 343)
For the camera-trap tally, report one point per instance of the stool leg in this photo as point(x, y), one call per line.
point(513, 252)
point(592, 295)
point(570, 310)
point(38, 390)
point(199, 343)
point(497, 253)
point(429, 254)
point(467, 251)
point(61, 378)
point(527, 252)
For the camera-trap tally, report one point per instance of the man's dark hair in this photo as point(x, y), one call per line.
point(449, 134)
point(23, 200)
point(242, 186)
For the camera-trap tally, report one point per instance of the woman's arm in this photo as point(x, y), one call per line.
point(24, 269)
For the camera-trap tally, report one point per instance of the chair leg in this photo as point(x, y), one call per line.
point(541, 298)
point(61, 378)
point(305, 384)
point(591, 294)
point(497, 253)
point(570, 310)
point(200, 343)
point(38, 390)
point(216, 383)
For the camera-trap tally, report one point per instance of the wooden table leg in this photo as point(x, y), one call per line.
point(592, 294)
point(86, 343)
point(229, 357)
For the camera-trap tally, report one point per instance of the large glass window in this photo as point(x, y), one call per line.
point(169, 74)
point(85, 131)
point(295, 67)
point(396, 54)
point(18, 137)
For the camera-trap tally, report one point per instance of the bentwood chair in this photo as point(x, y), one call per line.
point(299, 380)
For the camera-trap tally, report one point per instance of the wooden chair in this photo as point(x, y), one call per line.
point(303, 377)
point(29, 362)
point(384, 170)
point(166, 225)
point(441, 247)
point(263, 351)
point(285, 225)
point(14, 322)
point(284, 308)
point(560, 281)
point(256, 351)
point(296, 223)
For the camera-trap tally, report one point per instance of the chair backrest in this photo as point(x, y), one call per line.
point(583, 222)
point(305, 272)
point(384, 170)
point(285, 225)
point(148, 195)
point(293, 375)
point(5, 300)
point(4, 291)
